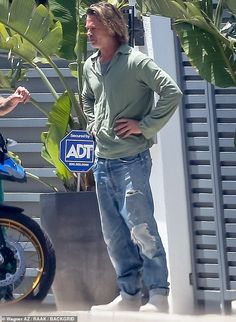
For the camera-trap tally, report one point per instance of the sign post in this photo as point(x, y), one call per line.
point(77, 151)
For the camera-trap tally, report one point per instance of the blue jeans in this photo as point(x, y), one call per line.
point(128, 224)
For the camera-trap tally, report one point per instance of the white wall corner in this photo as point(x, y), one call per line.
point(168, 180)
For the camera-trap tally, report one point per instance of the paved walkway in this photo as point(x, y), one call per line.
point(86, 316)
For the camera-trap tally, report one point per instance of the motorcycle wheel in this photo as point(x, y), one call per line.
point(28, 260)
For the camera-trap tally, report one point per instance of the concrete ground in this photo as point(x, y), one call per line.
point(51, 314)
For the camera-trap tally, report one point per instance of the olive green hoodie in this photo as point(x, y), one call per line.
point(127, 90)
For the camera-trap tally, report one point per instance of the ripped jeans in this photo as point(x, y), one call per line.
point(128, 224)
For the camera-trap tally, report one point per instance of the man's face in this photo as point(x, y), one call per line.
point(97, 33)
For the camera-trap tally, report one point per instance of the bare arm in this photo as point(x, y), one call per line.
point(21, 95)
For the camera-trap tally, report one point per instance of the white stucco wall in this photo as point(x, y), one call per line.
point(167, 180)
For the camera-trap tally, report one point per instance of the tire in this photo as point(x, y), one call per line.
point(33, 264)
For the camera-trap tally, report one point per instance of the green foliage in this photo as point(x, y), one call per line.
point(31, 34)
point(36, 37)
point(59, 115)
point(5, 82)
point(199, 28)
point(65, 12)
point(119, 3)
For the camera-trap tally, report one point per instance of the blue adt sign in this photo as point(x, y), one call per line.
point(77, 151)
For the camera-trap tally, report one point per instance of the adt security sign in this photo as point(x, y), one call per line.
point(77, 151)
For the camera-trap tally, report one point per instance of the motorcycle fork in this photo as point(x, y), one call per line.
point(2, 243)
point(2, 239)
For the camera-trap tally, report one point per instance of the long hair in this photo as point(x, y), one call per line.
point(111, 18)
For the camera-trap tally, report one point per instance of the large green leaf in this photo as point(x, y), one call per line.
point(4, 9)
point(58, 127)
point(16, 73)
point(30, 33)
point(165, 8)
point(20, 21)
point(14, 43)
point(5, 82)
point(65, 12)
point(119, 3)
point(231, 4)
point(208, 50)
point(213, 60)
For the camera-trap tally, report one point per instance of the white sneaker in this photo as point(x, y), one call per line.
point(156, 303)
point(120, 304)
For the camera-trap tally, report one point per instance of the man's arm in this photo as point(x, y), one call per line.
point(21, 95)
point(169, 97)
point(88, 105)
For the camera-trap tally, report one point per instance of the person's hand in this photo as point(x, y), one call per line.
point(21, 95)
point(125, 127)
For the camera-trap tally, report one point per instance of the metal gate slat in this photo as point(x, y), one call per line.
point(205, 240)
point(205, 225)
point(197, 112)
point(229, 185)
point(200, 169)
point(231, 256)
point(209, 295)
point(206, 254)
point(231, 242)
point(198, 142)
point(207, 268)
point(208, 283)
point(201, 183)
point(230, 201)
point(232, 271)
point(209, 122)
point(202, 197)
point(231, 228)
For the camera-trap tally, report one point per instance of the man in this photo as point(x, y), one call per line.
point(118, 99)
point(7, 104)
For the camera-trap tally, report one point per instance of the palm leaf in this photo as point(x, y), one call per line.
point(58, 127)
point(231, 5)
point(27, 35)
point(35, 36)
point(5, 82)
point(213, 60)
point(65, 12)
point(208, 50)
point(119, 3)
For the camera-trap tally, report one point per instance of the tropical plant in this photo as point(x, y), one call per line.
point(36, 37)
point(207, 33)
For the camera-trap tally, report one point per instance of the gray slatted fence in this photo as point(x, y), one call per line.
point(209, 123)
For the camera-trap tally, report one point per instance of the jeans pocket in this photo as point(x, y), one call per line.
point(95, 165)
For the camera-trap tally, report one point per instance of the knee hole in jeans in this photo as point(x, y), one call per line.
point(147, 242)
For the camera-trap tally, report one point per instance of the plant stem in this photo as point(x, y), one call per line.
point(46, 81)
point(74, 102)
point(33, 176)
point(218, 14)
point(35, 103)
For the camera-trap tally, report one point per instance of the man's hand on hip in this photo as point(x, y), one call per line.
point(125, 127)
